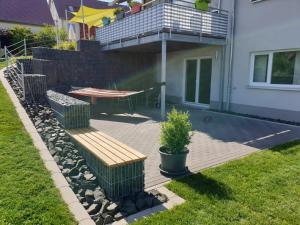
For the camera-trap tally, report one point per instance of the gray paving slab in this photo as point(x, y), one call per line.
point(217, 137)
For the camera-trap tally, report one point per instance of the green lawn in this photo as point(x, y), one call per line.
point(263, 188)
point(27, 193)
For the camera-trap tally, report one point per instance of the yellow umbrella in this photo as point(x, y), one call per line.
point(92, 17)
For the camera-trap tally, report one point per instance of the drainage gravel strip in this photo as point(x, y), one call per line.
point(76, 182)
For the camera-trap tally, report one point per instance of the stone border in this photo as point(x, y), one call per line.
point(80, 214)
point(173, 200)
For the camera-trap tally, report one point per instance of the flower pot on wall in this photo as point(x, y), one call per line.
point(173, 164)
point(106, 21)
point(136, 8)
point(120, 15)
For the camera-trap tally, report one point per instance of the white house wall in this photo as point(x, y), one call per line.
point(262, 26)
point(175, 72)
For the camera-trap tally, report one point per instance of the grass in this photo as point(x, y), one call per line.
point(27, 193)
point(263, 188)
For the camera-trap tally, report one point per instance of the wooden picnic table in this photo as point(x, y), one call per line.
point(95, 93)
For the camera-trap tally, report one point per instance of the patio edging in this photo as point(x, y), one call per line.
point(68, 196)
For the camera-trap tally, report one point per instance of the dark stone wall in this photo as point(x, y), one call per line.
point(89, 66)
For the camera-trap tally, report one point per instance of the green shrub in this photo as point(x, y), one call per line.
point(19, 33)
point(66, 45)
point(175, 132)
point(202, 4)
point(46, 37)
point(62, 34)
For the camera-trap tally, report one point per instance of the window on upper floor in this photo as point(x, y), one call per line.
point(276, 68)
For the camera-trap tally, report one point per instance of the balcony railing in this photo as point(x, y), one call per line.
point(177, 17)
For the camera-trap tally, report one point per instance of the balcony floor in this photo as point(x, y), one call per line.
point(152, 42)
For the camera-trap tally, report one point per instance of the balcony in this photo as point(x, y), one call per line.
point(177, 21)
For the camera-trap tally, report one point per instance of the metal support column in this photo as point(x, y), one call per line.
point(163, 78)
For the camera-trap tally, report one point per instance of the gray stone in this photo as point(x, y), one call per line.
point(94, 208)
point(104, 206)
point(89, 193)
point(65, 171)
point(88, 176)
point(100, 221)
point(73, 172)
point(120, 215)
point(56, 158)
point(112, 207)
point(107, 218)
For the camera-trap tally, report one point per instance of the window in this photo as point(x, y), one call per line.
point(276, 68)
point(260, 68)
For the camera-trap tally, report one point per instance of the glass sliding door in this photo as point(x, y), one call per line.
point(204, 81)
point(198, 81)
point(190, 79)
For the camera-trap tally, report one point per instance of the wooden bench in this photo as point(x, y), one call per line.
point(119, 168)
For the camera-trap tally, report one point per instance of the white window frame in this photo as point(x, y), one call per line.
point(195, 103)
point(268, 84)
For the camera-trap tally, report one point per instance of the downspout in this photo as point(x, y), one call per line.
point(219, 4)
point(222, 70)
point(229, 83)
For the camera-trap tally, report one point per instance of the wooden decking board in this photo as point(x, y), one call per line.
point(109, 150)
point(114, 145)
point(122, 154)
point(98, 154)
point(104, 151)
point(138, 154)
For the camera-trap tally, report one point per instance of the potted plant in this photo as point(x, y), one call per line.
point(119, 13)
point(105, 21)
point(202, 4)
point(135, 7)
point(175, 136)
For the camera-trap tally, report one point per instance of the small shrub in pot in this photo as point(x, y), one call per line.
point(175, 136)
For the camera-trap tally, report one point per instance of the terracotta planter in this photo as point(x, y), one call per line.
point(173, 164)
point(136, 8)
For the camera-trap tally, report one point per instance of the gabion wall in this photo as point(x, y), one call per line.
point(70, 112)
point(117, 181)
point(34, 87)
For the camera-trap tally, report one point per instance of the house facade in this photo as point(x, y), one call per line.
point(33, 14)
point(240, 56)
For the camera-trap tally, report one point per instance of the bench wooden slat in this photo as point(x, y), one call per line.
point(128, 149)
point(124, 149)
point(109, 150)
point(95, 151)
point(104, 151)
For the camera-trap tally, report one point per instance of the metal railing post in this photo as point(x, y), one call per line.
point(25, 47)
point(6, 56)
point(22, 68)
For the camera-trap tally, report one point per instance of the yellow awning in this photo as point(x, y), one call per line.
point(92, 17)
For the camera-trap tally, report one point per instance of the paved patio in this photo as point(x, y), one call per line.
point(217, 137)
